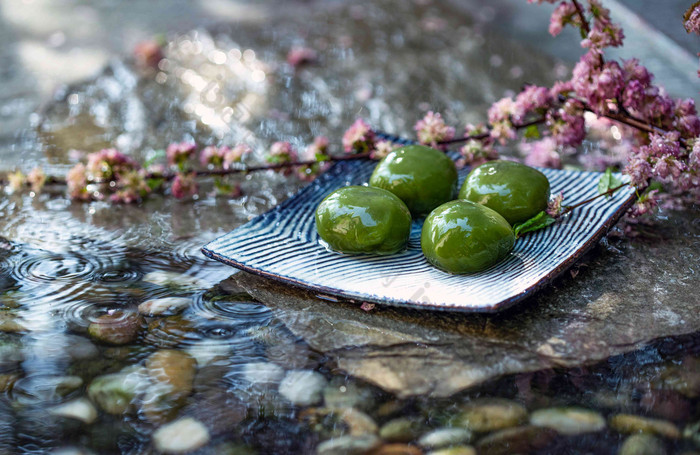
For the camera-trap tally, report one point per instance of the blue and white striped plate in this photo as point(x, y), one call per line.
point(283, 244)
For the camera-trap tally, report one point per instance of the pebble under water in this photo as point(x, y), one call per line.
point(118, 336)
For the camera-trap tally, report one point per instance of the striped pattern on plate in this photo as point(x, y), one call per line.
point(283, 244)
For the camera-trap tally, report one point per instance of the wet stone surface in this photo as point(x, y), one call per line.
point(117, 336)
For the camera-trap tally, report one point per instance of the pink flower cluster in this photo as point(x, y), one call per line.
point(108, 172)
point(542, 153)
point(500, 120)
point(563, 15)
point(382, 148)
point(554, 206)
point(359, 138)
point(317, 151)
point(475, 152)
point(692, 19)
point(566, 123)
point(532, 99)
point(298, 56)
point(565, 120)
point(662, 159)
point(17, 180)
point(432, 129)
point(132, 188)
point(76, 180)
point(108, 163)
point(604, 33)
point(184, 185)
point(179, 152)
point(36, 179)
point(599, 83)
point(223, 157)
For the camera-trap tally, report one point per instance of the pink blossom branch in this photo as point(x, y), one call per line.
point(487, 134)
point(264, 167)
point(624, 118)
point(52, 180)
point(584, 22)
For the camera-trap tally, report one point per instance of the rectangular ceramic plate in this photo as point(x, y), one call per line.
point(283, 244)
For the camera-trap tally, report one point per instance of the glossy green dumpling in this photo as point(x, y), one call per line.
point(421, 176)
point(464, 237)
point(361, 219)
point(516, 191)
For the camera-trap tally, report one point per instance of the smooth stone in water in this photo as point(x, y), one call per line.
point(515, 440)
point(628, 423)
point(465, 237)
point(444, 437)
point(230, 448)
point(642, 444)
point(71, 451)
point(457, 450)
point(159, 404)
point(116, 393)
point(516, 191)
point(568, 421)
point(684, 378)
point(265, 334)
point(80, 409)
point(348, 445)
point(420, 176)
point(173, 280)
point(303, 387)
point(489, 414)
point(7, 381)
point(169, 331)
point(80, 348)
point(291, 356)
point(207, 352)
point(220, 411)
point(342, 393)
point(164, 305)
point(360, 219)
point(402, 429)
point(45, 388)
point(358, 422)
point(397, 449)
point(181, 436)
point(9, 323)
point(173, 368)
point(692, 432)
point(118, 327)
point(263, 373)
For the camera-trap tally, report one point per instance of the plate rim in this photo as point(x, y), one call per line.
point(344, 295)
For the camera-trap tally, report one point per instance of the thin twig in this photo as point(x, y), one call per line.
point(487, 134)
point(584, 22)
point(610, 192)
point(51, 180)
point(265, 167)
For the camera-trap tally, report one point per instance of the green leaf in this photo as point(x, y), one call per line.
point(221, 186)
point(654, 185)
point(532, 132)
point(156, 156)
point(154, 183)
point(608, 182)
point(537, 222)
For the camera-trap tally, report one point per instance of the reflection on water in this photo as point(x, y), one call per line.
point(224, 360)
point(116, 335)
